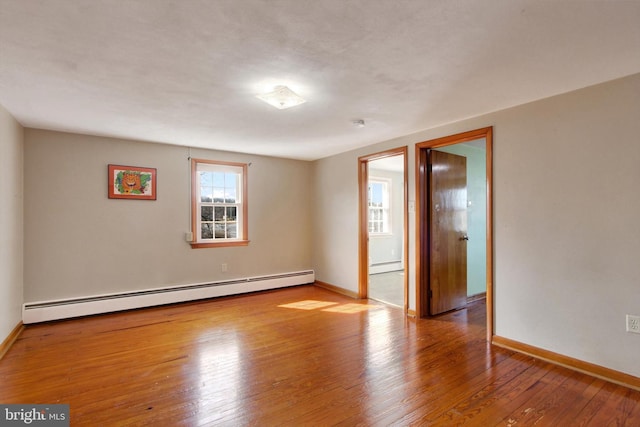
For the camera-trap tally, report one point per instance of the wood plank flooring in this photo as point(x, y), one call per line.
point(300, 356)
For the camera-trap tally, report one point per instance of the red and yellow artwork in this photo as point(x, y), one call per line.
point(131, 182)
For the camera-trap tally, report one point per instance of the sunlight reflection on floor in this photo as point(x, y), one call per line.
point(308, 304)
point(342, 308)
point(352, 308)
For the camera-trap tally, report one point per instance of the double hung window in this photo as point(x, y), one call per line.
point(219, 203)
point(379, 216)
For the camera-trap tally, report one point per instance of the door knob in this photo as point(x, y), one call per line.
point(465, 237)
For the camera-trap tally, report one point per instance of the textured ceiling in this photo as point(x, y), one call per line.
point(187, 72)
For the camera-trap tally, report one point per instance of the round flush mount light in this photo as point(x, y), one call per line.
point(359, 123)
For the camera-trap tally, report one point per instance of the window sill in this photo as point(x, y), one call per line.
point(201, 245)
point(377, 235)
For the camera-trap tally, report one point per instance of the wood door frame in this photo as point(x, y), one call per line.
point(363, 211)
point(422, 229)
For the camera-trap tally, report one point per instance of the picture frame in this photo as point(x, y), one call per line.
point(131, 182)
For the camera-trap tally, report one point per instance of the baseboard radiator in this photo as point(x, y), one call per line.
point(385, 267)
point(43, 311)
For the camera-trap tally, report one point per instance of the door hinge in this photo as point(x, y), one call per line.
point(429, 167)
point(430, 293)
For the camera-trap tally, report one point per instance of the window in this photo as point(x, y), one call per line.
point(218, 203)
point(379, 217)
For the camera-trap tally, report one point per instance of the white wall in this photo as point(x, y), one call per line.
point(567, 234)
point(335, 221)
point(11, 222)
point(80, 243)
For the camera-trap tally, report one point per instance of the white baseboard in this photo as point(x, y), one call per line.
point(43, 311)
point(385, 267)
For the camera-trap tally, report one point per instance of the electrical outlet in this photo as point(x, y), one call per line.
point(633, 324)
point(224, 267)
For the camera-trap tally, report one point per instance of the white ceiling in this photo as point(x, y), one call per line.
point(187, 72)
point(392, 163)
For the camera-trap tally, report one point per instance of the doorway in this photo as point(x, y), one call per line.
point(437, 247)
point(383, 212)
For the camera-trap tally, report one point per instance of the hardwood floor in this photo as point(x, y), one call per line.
point(297, 356)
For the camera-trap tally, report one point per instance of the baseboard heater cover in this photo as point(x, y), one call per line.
point(385, 267)
point(44, 311)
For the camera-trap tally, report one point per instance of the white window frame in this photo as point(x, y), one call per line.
point(384, 219)
point(241, 206)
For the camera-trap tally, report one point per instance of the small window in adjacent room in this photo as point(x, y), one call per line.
point(379, 217)
point(218, 203)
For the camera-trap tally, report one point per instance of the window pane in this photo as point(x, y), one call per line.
point(218, 195)
point(218, 179)
point(206, 179)
point(219, 213)
point(378, 206)
point(206, 213)
point(231, 180)
point(230, 195)
point(376, 193)
point(220, 230)
point(206, 231)
point(206, 194)
point(232, 231)
point(231, 213)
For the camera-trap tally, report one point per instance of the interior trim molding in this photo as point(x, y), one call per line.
point(421, 214)
point(363, 222)
point(336, 289)
point(10, 339)
point(476, 297)
point(594, 370)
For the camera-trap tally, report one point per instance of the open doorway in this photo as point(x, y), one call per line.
point(454, 250)
point(383, 227)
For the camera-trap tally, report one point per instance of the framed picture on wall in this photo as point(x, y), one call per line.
point(132, 182)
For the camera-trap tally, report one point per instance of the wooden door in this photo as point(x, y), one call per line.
point(447, 231)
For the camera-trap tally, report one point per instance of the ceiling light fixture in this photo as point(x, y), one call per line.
point(282, 97)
